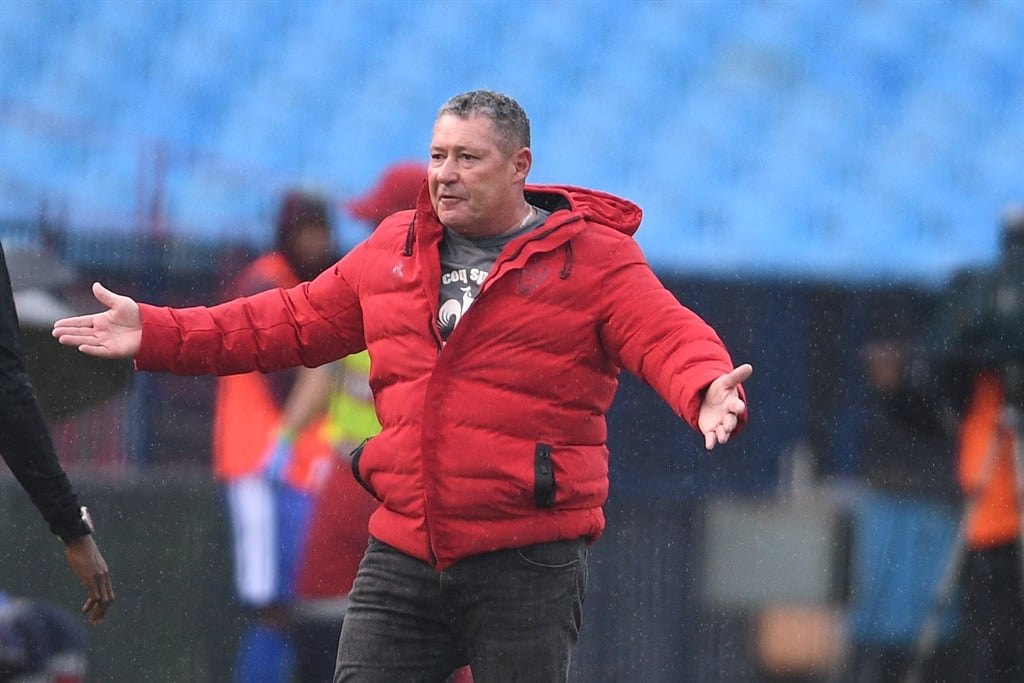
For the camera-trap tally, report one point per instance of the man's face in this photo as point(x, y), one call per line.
point(476, 187)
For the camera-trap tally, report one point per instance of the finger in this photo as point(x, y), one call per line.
point(75, 337)
point(101, 595)
point(91, 346)
point(709, 440)
point(741, 374)
point(94, 609)
point(80, 322)
point(106, 590)
point(736, 406)
point(87, 606)
point(104, 295)
point(98, 350)
point(99, 610)
point(725, 430)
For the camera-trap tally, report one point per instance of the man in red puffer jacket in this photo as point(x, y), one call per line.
point(497, 317)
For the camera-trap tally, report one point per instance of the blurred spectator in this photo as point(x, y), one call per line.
point(979, 358)
point(270, 471)
point(906, 519)
point(27, 448)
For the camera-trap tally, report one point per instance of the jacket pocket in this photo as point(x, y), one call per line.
point(543, 476)
point(356, 455)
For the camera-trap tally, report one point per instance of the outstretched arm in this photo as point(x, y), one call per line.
point(114, 333)
point(722, 406)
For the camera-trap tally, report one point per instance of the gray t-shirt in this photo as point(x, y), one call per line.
point(465, 263)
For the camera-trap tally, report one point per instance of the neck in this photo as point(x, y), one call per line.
point(521, 223)
point(526, 213)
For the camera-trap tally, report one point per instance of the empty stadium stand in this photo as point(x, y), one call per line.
point(850, 140)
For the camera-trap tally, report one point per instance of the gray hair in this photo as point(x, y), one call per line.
point(510, 121)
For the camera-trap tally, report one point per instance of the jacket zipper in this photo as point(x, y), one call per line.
point(436, 334)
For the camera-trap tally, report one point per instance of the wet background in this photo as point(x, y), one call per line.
point(812, 174)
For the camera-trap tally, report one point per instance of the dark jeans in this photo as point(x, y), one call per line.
point(513, 615)
point(994, 615)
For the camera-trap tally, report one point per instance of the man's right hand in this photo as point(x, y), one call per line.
point(114, 333)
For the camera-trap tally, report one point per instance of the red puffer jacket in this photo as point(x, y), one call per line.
point(495, 439)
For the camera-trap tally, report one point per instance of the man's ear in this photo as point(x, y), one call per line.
point(522, 162)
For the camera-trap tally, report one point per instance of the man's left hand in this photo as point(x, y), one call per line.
point(722, 406)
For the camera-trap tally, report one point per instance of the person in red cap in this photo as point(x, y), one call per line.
point(395, 191)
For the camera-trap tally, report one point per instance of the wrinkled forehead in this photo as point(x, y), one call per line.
point(471, 131)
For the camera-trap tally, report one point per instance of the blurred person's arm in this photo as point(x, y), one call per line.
point(306, 401)
point(308, 398)
point(27, 448)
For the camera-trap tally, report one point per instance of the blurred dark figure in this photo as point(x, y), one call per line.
point(910, 452)
point(907, 518)
point(271, 471)
point(39, 643)
point(978, 361)
point(27, 448)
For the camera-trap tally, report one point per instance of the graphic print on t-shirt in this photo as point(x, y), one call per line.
point(465, 263)
point(459, 288)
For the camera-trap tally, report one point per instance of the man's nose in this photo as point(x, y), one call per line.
point(445, 171)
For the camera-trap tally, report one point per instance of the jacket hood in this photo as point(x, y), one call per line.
point(595, 206)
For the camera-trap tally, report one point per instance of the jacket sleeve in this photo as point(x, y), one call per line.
point(658, 339)
point(311, 324)
point(25, 441)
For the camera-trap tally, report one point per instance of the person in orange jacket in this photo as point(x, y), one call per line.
point(981, 361)
point(336, 535)
point(270, 471)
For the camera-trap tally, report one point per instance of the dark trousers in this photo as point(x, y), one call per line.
point(316, 647)
point(994, 614)
point(512, 615)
